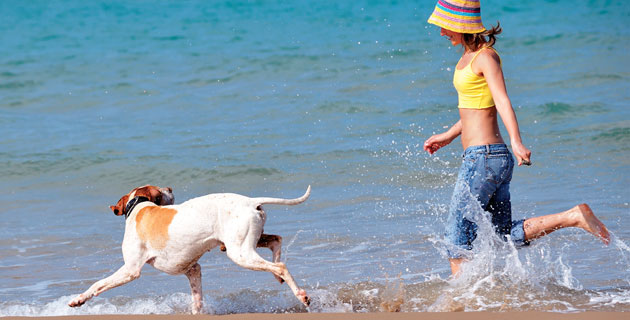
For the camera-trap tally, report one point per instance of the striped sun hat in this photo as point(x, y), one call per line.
point(463, 16)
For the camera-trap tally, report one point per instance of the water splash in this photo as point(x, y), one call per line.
point(496, 278)
point(285, 249)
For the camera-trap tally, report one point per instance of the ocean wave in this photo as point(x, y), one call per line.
point(348, 107)
point(617, 135)
point(587, 80)
point(169, 38)
point(36, 164)
point(7, 74)
point(11, 85)
point(564, 110)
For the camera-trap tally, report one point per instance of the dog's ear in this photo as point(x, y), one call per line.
point(119, 208)
point(151, 192)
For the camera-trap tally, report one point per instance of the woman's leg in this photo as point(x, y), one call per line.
point(580, 216)
point(485, 170)
point(460, 232)
point(456, 265)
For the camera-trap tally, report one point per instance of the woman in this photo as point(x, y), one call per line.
point(487, 164)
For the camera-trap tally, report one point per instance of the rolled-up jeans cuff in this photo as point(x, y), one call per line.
point(517, 233)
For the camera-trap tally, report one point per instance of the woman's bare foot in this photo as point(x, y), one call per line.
point(580, 216)
point(589, 222)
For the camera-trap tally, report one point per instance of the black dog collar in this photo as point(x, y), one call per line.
point(132, 204)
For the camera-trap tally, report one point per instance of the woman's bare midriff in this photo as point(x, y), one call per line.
point(479, 127)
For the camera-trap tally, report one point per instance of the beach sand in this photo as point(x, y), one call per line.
point(362, 316)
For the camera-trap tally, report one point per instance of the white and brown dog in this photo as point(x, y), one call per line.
point(172, 238)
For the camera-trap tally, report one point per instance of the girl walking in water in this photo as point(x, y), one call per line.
point(487, 163)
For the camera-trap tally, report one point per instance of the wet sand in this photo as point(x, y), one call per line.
point(362, 316)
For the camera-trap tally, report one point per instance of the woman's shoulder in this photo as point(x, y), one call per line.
point(490, 52)
point(486, 60)
point(488, 55)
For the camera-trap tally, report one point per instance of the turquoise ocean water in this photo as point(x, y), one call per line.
point(264, 98)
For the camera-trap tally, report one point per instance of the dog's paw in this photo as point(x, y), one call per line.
point(76, 302)
point(304, 298)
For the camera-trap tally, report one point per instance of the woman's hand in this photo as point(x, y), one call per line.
point(522, 153)
point(437, 141)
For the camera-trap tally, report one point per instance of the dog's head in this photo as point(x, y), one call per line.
point(157, 195)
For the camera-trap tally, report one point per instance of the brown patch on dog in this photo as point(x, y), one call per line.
point(152, 225)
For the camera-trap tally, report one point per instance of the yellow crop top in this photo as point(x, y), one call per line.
point(472, 90)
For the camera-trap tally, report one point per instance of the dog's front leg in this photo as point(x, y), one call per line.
point(125, 274)
point(273, 242)
point(194, 277)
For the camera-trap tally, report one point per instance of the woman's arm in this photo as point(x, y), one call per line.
point(488, 65)
point(437, 141)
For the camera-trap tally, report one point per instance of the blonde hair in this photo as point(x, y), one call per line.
point(474, 41)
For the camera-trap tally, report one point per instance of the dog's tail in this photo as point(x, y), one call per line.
point(290, 202)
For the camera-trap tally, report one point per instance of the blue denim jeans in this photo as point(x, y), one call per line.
point(483, 179)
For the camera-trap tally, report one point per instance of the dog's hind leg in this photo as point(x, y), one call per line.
point(246, 257)
point(274, 243)
point(271, 241)
point(124, 275)
point(194, 277)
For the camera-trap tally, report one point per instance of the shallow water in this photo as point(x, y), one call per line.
point(265, 98)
